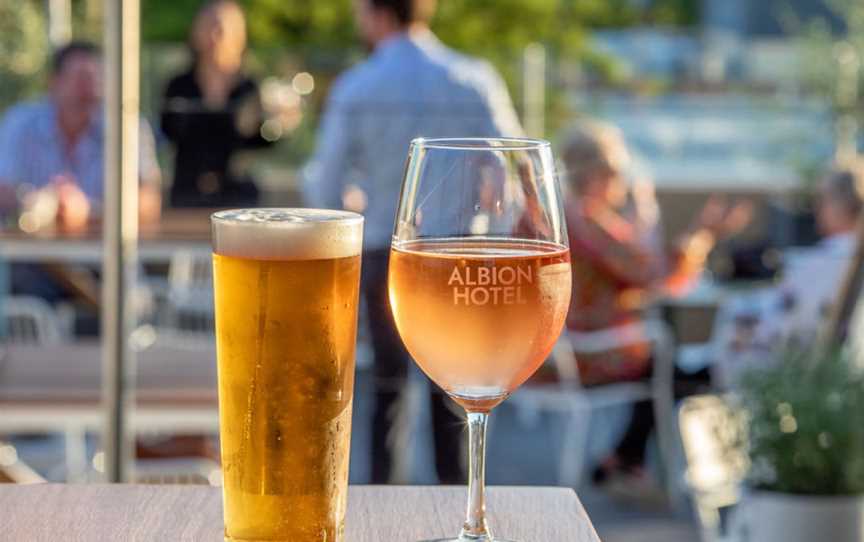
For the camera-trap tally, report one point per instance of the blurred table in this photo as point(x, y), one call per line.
point(56, 389)
point(178, 230)
point(53, 387)
point(194, 513)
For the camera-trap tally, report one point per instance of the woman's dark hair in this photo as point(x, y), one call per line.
point(407, 11)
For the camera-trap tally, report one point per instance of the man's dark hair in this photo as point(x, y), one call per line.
point(63, 54)
point(407, 11)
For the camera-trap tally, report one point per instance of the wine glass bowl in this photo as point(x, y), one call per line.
point(478, 315)
point(479, 277)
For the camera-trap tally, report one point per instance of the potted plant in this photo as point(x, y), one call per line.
point(806, 447)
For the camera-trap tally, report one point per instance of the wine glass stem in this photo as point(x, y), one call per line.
point(475, 528)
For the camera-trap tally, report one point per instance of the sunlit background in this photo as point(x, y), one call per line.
point(742, 98)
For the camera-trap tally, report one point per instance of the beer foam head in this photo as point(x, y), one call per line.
point(287, 234)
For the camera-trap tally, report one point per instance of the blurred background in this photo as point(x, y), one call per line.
point(678, 76)
point(744, 99)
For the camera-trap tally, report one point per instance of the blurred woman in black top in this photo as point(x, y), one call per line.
point(212, 111)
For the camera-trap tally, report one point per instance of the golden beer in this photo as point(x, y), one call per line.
point(286, 286)
point(479, 316)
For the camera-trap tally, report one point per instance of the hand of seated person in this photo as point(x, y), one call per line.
point(723, 220)
point(149, 205)
point(73, 206)
point(354, 199)
point(716, 221)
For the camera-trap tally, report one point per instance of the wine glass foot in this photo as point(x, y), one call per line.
point(457, 539)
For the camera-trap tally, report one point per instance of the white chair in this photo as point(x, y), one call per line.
point(569, 396)
point(31, 320)
point(188, 269)
point(713, 434)
point(188, 304)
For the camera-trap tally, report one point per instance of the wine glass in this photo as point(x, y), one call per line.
point(479, 276)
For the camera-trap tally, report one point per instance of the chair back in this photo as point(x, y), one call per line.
point(189, 270)
point(31, 320)
point(190, 293)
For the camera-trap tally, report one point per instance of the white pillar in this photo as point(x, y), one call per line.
point(534, 90)
point(120, 231)
point(59, 22)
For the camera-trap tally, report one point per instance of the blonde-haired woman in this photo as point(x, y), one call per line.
point(619, 263)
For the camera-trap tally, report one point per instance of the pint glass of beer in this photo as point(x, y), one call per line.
point(286, 284)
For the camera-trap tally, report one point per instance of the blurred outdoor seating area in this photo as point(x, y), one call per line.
point(708, 153)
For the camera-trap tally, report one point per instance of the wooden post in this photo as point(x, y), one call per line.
point(847, 297)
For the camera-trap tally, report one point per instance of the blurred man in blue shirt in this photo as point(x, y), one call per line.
point(411, 86)
point(56, 143)
point(51, 152)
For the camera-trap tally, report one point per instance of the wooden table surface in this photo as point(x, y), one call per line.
point(185, 230)
point(58, 513)
point(184, 224)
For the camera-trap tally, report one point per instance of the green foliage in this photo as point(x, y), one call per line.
point(478, 26)
point(806, 424)
point(321, 36)
point(496, 27)
point(167, 20)
point(826, 55)
point(676, 12)
point(300, 23)
point(272, 23)
point(23, 49)
point(87, 20)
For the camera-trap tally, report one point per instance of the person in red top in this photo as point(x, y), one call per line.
point(620, 264)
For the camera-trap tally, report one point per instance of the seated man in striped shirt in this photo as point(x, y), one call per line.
point(55, 145)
